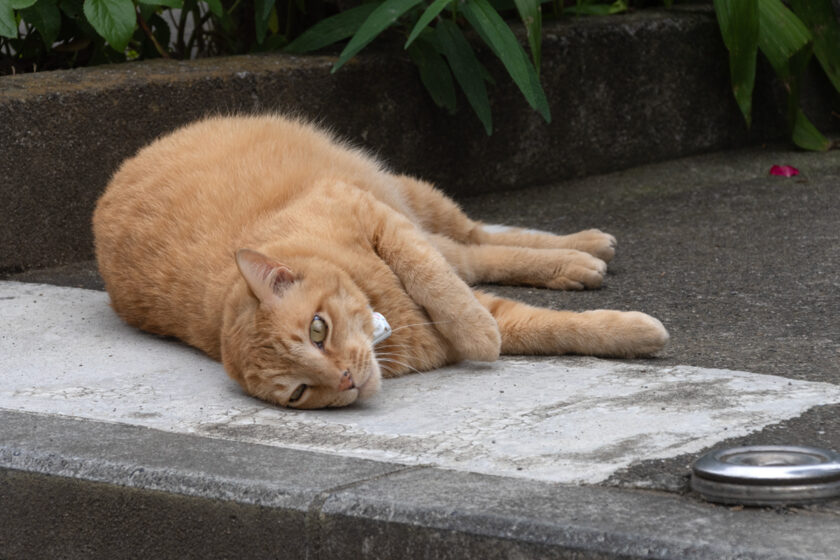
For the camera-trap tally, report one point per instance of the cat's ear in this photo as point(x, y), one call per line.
point(266, 277)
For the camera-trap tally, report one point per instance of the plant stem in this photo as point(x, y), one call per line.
point(233, 7)
point(145, 27)
point(198, 34)
point(289, 15)
point(182, 24)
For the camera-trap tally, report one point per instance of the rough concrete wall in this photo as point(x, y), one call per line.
point(623, 91)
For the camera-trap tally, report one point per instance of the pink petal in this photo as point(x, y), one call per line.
point(784, 170)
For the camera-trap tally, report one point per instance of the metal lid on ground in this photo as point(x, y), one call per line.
point(767, 475)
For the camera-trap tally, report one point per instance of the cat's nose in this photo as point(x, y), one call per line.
point(346, 381)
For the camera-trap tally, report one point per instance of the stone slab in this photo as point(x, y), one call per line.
point(571, 420)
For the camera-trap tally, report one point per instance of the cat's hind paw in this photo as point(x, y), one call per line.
point(576, 270)
point(593, 241)
point(622, 334)
point(649, 336)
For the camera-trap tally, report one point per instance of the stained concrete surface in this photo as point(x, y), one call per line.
point(740, 266)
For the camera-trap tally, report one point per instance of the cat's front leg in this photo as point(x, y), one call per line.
point(431, 282)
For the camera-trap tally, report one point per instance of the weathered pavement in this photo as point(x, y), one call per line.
point(552, 457)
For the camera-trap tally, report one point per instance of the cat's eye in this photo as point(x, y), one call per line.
point(318, 331)
point(297, 393)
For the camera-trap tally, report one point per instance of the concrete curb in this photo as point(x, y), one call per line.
point(187, 496)
point(625, 90)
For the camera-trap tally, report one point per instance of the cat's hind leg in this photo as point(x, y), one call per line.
point(435, 212)
point(592, 241)
point(533, 330)
point(560, 269)
point(439, 214)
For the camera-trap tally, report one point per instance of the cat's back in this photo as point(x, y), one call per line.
point(229, 167)
point(209, 180)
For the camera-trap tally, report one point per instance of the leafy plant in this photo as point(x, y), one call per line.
point(48, 34)
point(787, 37)
point(438, 35)
point(436, 40)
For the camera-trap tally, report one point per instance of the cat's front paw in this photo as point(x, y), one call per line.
point(593, 241)
point(576, 270)
point(475, 335)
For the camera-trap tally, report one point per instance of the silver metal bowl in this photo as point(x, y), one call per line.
point(765, 475)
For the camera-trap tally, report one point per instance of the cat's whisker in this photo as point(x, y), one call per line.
point(389, 347)
point(387, 368)
point(386, 349)
point(419, 325)
point(399, 363)
point(393, 354)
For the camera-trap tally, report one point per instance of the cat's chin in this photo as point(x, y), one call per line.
point(372, 384)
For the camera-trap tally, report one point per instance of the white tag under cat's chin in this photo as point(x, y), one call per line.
point(381, 328)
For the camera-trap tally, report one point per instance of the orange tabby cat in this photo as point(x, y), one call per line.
point(267, 244)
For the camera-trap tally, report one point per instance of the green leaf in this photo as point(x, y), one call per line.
point(780, 35)
point(146, 11)
point(112, 19)
point(328, 31)
point(786, 42)
point(20, 4)
point(806, 135)
point(818, 16)
point(738, 20)
point(74, 10)
point(46, 17)
point(434, 73)
point(427, 17)
point(216, 7)
point(466, 68)
point(531, 14)
point(593, 9)
point(380, 19)
point(619, 7)
point(177, 4)
point(496, 33)
point(262, 13)
point(8, 23)
point(274, 22)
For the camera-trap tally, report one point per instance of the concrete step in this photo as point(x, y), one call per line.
point(627, 90)
point(83, 489)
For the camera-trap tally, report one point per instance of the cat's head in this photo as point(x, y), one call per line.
point(301, 337)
